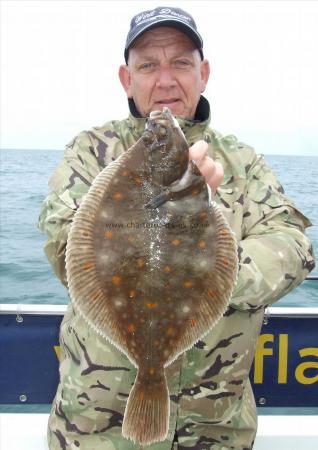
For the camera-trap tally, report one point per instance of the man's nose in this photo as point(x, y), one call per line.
point(165, 78)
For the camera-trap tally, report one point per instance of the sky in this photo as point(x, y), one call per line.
point(59, 69)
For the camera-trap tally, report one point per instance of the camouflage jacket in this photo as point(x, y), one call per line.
point(274, 253)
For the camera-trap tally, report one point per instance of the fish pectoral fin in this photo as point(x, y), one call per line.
point(159, 200)
point(190, 181)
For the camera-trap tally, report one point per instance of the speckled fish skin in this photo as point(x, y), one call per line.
point(151, 264)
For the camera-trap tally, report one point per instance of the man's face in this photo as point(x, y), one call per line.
point(165, 69)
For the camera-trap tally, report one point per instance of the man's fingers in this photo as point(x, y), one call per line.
point(216, 175)
point(210, 169)
point(198, 151)
point(212, 172)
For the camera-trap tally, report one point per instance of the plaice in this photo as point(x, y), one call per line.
point(151, 264)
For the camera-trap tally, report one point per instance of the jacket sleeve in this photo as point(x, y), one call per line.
point(68, 184)
point(274, 254)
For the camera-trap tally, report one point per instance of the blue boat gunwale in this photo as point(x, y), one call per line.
point(283, 374)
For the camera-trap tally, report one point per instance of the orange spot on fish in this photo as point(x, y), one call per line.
point(167, 269)
point(188, 284)
point(201, 244)
point(152, 370)
point(151, 305)
point(87, 266)
point(195, 191)
point(85, 233)
point(132, 294)
point(116, 279)
point(140, 263)
point(108, 234)
point(225, 262)
point(175, 242)
point(170, 331)
point(193, 322)
point(203, 215)
point(125, 173)
point(138, 180)
point(131, 328)
point(223, 232)
point(118, 196)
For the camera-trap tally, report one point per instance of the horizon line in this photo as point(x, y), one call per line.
point(62, 150)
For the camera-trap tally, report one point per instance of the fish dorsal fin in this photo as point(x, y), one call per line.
point(86, 290)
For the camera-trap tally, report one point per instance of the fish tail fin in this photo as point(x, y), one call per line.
point(146, 418)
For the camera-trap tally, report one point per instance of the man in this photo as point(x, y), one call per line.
point(211, 402)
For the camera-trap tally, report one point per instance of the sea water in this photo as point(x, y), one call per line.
point(25, 274)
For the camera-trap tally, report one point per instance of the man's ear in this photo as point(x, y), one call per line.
point(205, 73)
point(124, 77)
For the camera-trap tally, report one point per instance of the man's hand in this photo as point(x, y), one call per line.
point(211, 170)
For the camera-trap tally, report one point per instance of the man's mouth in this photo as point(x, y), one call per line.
point(167, 101)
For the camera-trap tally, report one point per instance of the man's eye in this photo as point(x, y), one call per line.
point(146, 66)
point(182, 63)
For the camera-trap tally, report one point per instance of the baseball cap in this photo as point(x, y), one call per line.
point(163, 16)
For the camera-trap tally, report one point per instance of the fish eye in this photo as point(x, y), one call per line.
point(162, 131)
point(148, 137)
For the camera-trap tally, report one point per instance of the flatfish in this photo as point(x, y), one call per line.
point(151, 264)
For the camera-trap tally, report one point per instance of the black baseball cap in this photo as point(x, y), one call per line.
point(163, 16)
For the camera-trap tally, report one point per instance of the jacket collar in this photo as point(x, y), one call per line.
point(193, 129)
